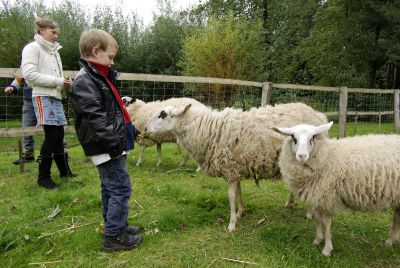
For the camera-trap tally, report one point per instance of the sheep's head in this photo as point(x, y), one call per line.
point(128, 100)
point(303, 138)
point(165, 119)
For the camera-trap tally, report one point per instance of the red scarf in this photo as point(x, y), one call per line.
point(103, 70)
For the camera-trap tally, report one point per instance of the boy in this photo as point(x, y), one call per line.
point(105, 132)
point(28, 118)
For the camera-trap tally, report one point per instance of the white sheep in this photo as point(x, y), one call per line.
point(140, 112)
point(361, 173)
point(232, 143)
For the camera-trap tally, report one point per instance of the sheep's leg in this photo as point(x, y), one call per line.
point(240, 201)
point(290, 201)
point(159, 160)
point(139, 161)
point(310, 214)
point(326, 225)
point(179, 148)
point(184, 161)
point(319, 234)
point(198, 169)
point(232, 195)
point(394, 234)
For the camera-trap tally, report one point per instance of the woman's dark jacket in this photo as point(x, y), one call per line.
point(99, 121)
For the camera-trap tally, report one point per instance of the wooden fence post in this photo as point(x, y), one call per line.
point(266, 93)
point(397, 110)
point(342, 111)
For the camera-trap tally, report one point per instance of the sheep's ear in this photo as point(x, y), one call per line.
point(162, 114)
point(323, 128)
point(184, 110)
point(282, 130)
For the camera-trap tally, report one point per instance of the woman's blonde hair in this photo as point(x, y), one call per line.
point(44, 23)
point(95, 37)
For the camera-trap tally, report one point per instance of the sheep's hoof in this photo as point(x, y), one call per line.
point(138, 164)
point(317, 241)
point(327, 251)
point(231, 228)
point(158, 164)
point(239, 215)
point(198, 169)
point(309, 216)
point(182, 164)
point(389, 242)
point(288, 205)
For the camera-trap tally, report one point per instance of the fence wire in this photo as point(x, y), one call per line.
point(366, 112)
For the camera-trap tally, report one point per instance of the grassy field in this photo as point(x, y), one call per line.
point(185, 215)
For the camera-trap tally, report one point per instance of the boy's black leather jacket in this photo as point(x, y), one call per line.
point(99, 121)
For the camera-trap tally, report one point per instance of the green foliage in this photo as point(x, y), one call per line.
point(162, 46)
point(227, 48)
point(332, 43)
point(16, 29)
point(349, 44)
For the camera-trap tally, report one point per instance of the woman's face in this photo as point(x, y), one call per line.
point(49, 34)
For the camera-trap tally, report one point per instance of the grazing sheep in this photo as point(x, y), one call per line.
point(232, 143)
point(140, 113)
point(361, 173)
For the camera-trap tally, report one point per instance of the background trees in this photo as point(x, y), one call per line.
point(330, 42)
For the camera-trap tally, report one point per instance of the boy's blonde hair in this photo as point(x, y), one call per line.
point(95, 37)
point(44, 23)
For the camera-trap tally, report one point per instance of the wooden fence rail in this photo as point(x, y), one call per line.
point(266, 93)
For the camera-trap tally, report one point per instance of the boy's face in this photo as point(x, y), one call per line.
point(105, 57)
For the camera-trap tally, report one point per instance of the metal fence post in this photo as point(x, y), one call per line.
point(342, 111)
point(266, 93)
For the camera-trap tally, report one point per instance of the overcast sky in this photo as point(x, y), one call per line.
point(144, 8)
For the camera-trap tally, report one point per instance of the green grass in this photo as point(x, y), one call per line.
point(191, 212)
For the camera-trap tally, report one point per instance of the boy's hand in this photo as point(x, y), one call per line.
point(116, 157)
point(67, 83)
point(138, 137)
point(8, 90)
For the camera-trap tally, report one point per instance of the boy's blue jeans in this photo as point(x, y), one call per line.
point(116, 190)
point(28, 120)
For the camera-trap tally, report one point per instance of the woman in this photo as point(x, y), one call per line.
point(42, 69)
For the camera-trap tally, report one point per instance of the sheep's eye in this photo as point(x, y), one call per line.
point(294, 139)
point(162, 115)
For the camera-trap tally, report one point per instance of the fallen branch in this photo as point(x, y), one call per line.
point(138, 203)
point(238, 261)
point(43, 263)
point(212, 263)
point(183, 169)
point(67, 229)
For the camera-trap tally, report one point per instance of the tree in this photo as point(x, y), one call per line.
point(225, 48)
point(353, 42)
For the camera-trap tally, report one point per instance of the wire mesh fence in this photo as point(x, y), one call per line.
point(367, 110)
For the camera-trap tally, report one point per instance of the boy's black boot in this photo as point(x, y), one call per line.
point(26, 158)
point(132, 230)
point(63, 166)
point(44, 177)
point(122, 241)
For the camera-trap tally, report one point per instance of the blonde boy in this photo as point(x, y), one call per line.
point(105, 132)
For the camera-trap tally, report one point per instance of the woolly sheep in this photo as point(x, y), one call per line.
point(140, 113)
point(361, 173)
point(232, 143)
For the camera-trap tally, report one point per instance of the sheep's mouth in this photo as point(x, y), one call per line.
point(146, 135)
